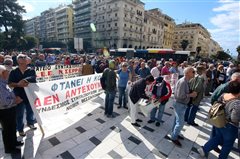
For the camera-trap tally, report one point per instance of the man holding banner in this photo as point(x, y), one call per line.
point(19, 78)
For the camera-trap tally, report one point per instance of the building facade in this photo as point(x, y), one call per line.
point(153, 29)
point(119, 23)
point(197, 36)
point(82, 19)
point(64, 23)
point(169, 28)
point(32, 27)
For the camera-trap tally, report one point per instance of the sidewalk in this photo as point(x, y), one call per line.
point(96, 136)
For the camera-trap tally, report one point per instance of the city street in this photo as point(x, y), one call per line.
point(96, 136)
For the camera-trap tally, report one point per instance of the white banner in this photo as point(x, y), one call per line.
point(56, 72)
point(54, 99)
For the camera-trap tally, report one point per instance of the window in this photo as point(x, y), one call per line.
point(125, 25)
point(116, 15)
point(115, 24)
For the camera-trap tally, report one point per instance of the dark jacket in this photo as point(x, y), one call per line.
point(110, 77)
point(209, 74)
point(137, 91)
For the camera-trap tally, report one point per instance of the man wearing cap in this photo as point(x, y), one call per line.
point(8, 113)
point(19, 78)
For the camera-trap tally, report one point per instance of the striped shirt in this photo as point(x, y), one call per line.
point(7, 96)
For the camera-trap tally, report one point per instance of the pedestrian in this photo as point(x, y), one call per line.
point(124, 77)
point(211, 79)
point(110, 90)
point(196, 85)
point(226, 135)
point(19, 78)
point(182, 97)
point(137, 92)
point(162, 92)
point(8, 113)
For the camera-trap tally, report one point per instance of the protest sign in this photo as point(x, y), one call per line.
point(56, 72)
point(57, 98)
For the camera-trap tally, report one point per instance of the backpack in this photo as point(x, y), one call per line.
point(217, 115)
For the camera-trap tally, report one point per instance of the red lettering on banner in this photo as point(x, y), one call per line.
point(42, 74)
point(46, 100)
point(83, 89)
point(37, 103)
point(60, 72)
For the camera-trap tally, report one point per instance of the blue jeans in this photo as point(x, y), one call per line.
point(225, 136)
point(122, 96)
point(179, 119)
point(109, 101)
point(160, 113)
point(191, 113)
point(20, 109)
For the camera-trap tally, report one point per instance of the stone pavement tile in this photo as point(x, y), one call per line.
point(125, 148)
point(103, 148)
point(165, 146)
point(95, 140)
point(86, 135)
point(177, 154)
point(82, 149)
point(101, 121)
point(58, 149)
point(194, 154)
point(132, 156)
point(114, 155)
point(54, 141)
point(66, 155)
point(91, 124)
point(62, 136)
point(141, 150)
point(45, 145)
point(155, 156)
point(80, 129)
point(105, 135)
point(135, 140)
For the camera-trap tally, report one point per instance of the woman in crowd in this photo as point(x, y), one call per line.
point(8, 113)
point(226, 136)
point(221, 75)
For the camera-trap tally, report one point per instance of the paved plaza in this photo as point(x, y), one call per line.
point(96, 136)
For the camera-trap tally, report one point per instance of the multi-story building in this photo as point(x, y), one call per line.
point(119, 23)
point(169, 27)
point(64, 23)
point(43, 27)
point(32, 27)
point(214, 47)
point(51, 28)
point(153, 31)
point(82, 19)
point(197, 36)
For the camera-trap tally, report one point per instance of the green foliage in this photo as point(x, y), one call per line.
point(221, 55)
point(238, 51)
point(184, 44)
point(10, 15)
point(27, 43)
point(70, 45)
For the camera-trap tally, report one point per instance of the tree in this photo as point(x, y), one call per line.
point(10, 15)
point(184, 44)
point(70, 45)
point(221, 55)
point(238, 51)
point(51, 44)
point(27, 43)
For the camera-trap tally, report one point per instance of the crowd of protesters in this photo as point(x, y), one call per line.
point(131, 78)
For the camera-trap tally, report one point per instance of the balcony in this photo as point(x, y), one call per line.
point(109, 20)
point(125, 28)
point(115, 9)
point(126, 19)
point(109, 10)
point(100, 21)
point(125, 37)
point(132, 12)
point(101, 12)
point(132, 38)
point(132, 30)
point(115, 18)
point(109, 28)
point(126, 10)
point(115, 28)
point(132, 21)
point(115, 37)
point(108, 38)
